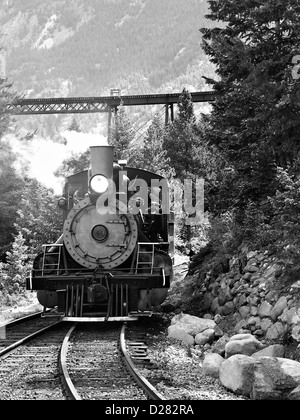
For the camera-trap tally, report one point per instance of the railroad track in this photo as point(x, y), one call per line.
point(96, 361)
point(28, 365)
point(18, 332)
point(97, 364)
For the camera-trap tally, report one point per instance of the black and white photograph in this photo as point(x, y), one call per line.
point(149, 202)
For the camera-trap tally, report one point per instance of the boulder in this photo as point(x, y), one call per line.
point(228, 308)
point(278, 308)
point(276, 350)
point(180, 335)
point(245, 344)
point(247, 276)
point(211, 364)
point(295, 394)
point(251, 255)
point(192, 324)
point(218, 331)
point(250, 268)
point(276, 331)
point(253, 320)
point(275, 378)
point(222, 297)
point(296, 318)
point(214, 305)
point(218, 318)
point(236, 374)
point(266, 324)
point(219, 346)
point(242, 323)
point(264, 310)
point(244, 311)
point(253, 310)
point(287, 315)
point(207, 336)
point(296, 333)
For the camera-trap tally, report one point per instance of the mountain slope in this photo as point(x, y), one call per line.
point(63, 47)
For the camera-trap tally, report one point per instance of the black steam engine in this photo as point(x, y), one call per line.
point(113, 260)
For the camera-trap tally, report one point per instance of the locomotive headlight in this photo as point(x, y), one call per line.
point(99, 184)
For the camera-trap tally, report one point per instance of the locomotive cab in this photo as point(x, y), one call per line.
point(113, 260)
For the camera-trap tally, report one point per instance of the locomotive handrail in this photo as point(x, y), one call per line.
point(89, 273)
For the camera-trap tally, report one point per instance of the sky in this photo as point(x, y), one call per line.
point(43, 157)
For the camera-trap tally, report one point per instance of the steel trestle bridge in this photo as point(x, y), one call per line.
point(108, 104)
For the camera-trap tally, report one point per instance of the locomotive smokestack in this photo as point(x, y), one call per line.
point(102, 160)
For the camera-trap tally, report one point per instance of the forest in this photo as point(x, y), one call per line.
point(246, 149)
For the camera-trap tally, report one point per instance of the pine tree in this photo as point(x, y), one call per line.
point(10, 182)
point(76, 163)
point(181, 140)
point(6, 96)
point(255, 118)
point(15, 270)
point(122, 134)
point(153, 154)
point(11, 186)
point(39, 218)
point(74, 125)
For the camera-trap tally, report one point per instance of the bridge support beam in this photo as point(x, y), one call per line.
point(169, 113)
point(112, 112)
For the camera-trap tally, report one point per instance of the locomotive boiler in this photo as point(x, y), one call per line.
point(113, 260)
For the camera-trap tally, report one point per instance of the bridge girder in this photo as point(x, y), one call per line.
point(97, 104)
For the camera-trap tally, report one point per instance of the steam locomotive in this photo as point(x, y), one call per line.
point(114, 258)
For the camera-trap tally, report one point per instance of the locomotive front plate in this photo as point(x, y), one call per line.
point(93, 239)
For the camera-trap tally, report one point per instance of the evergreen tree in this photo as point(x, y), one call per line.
point(181, 140)
point(15, 270)
point(74, 125)
point(154, 157)
point(39, 218)
point(76, 163)
point(255, 118)
point(122, 134)
point(11, 184)
point(6, 96)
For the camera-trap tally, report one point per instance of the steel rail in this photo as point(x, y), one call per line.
point(71, 389)
point(67, 381)
point(9, 349)
point(20, 320)
point(143, 383)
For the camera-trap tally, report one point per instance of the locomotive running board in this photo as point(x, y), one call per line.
point(99, 319)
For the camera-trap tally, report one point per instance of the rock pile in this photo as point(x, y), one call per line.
point(250, 296)
point(242, 363)
point(259, 313)
point(193, 330)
